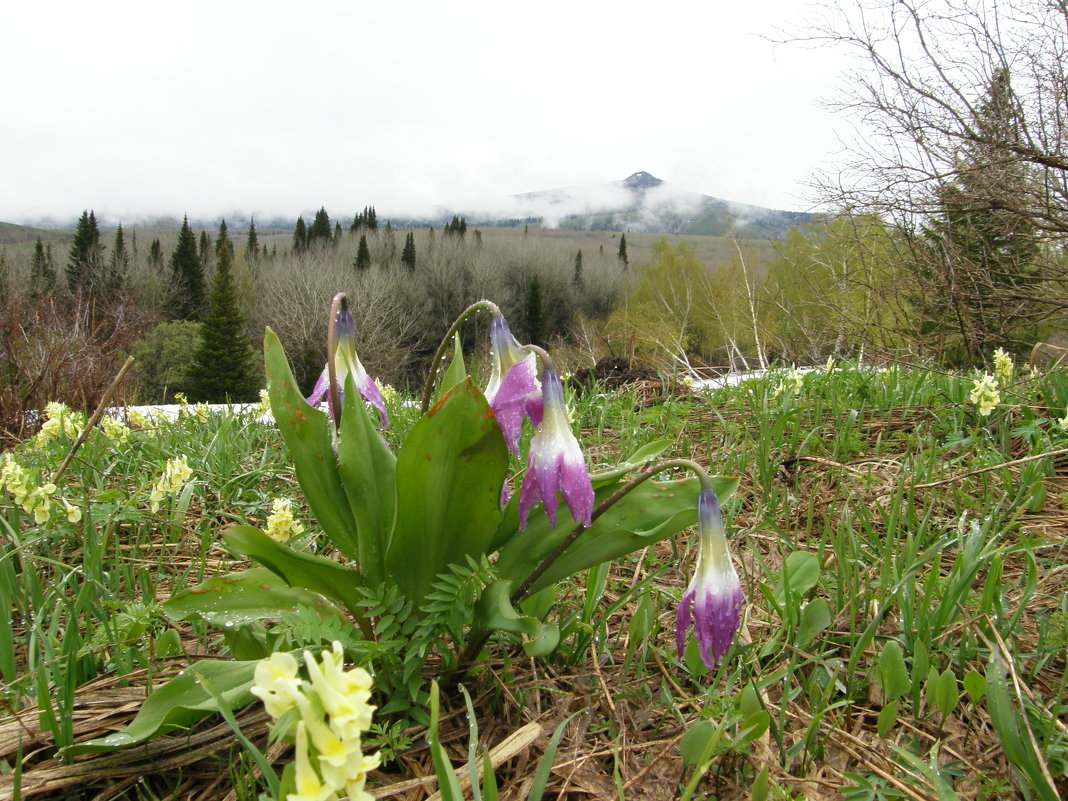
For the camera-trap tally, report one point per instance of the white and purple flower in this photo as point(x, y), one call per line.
point(345, 362)
point(713, 600)
point(556, 462)
point(512, 391)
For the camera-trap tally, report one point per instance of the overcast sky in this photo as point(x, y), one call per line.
point(146, 108)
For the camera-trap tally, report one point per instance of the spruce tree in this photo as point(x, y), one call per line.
point(187, 273)
point(622, 255)
point(252, 244)
point(42, 271)
point(85, 254)
point(320, 230)
point(533, 312)
point(337, 232)
point(578, 281)
point(363, 254)
point(222, 242)
point(205, 250)
point(155, 254)
point(118, 265)
point(408, 254)
point(300, 236)
point(222, 368)
point(372, 218)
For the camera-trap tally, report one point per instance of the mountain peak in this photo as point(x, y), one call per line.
point(640, 181)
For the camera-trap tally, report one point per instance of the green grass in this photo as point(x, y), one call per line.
point(906, 623)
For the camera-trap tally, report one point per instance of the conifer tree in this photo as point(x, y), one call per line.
point(205, 250)
point(320, 230)
point(578, 281)
point(372, 218)
point(42, 272)
point(252, 244)
point(622, 255)
point(155, 254)
point(187, 272)
point(222, 368)
point(337, 232)
point(533, 312)
point(408, 254)
point(118, 266)
point(300, 236)
point(363, 254)
point(85, 254)
point(222, 242)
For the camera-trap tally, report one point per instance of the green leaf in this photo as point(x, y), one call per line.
point(695, 742)
point(308, 436)
point(974, 685)
point(369, 476)
point(815, 617)
point(887, 718)
point(240, 598)
point(946, 696)
point(494, 612)
point(651, 512)
point(545, 764)
point(449, 477)
point(179, 704)
point(298, 569)
point(448, 785)
point(893, 676)
point(800, 573)
point(637, 460)
point(457, 371)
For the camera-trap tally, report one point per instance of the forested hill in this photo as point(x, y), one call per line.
point(643, 203)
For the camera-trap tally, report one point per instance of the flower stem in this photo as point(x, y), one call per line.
point(439, 354)
point(473, 648)
point(546, 359)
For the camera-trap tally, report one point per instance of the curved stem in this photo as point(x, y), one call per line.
point(473, 648)
point(439, 354)
point(544, 356)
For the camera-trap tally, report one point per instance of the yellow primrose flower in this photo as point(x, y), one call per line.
point(309, 787)
point(139, 419)
point(1063, 422)
point(60, 421)
point(74, 514)
point(276, 683)
point(114, 429)
point(344, 693)
point(985, 394)
point(281, 525)
point(175, 473)
point(264, 404)
point(1003, 367)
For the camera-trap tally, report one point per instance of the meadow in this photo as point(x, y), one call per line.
point(905, 627)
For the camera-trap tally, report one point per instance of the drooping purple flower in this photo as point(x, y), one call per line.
point(556, 462)
point(713, 600)
point(513, 382)
point(345, 362)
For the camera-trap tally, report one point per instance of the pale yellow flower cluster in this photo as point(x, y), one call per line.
point(114, 430)
point(139, 419)
point(1003, 367)
point(264, 404)
point(175, 473)
point(793, 382)
point(281, 525)
point(388, 392)
point(60, 421)
point(35, 500)
point(333, 712)
point(985, 394)
point(1062, 424)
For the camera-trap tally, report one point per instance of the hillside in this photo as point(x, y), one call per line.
point(11, 234)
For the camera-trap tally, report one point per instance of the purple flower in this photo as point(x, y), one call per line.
point(345, 362)
point(555, 462)
point(714, 598)
point(513, 382)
